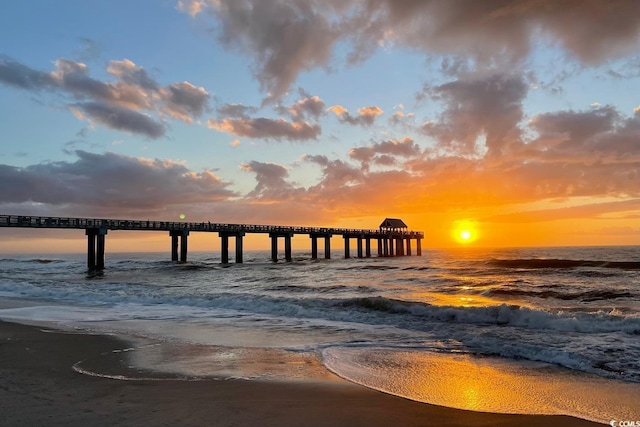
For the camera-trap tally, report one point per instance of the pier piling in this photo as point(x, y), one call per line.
point(287, 245)
point(95, 248)
point(183, 234)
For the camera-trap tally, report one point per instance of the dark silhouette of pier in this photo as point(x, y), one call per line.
point(393, 238)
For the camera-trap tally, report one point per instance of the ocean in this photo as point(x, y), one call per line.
point(518, 330)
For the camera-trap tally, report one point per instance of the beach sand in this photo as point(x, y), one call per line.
point(38, 387)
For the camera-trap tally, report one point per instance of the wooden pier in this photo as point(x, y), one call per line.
point(392, 237)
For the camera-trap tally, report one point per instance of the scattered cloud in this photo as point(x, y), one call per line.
point(309, 106)
point(262, 127)
point(184, 101)
point(119, 118)
point(192, 7)
point(271, 181)
point(236, 111)
point(286, 38)
point(111, 183)
point(303, 125)
point(385, 152)
point(489, 108)
point(126, 104)
point(366, 115)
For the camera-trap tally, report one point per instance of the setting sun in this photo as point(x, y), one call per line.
point(465, 231)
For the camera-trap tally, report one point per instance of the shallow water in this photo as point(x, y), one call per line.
point(575, 308)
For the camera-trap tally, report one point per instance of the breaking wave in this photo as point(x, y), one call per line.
point(534, 263)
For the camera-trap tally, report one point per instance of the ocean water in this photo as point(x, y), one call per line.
point(530, 330)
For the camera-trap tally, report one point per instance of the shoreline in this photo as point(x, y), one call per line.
point(38, 386)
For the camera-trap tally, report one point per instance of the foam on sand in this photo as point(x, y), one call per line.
point(485, 384)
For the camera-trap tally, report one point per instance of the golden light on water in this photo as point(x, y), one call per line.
point(488, 384)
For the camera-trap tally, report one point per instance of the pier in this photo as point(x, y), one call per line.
point(392, 237)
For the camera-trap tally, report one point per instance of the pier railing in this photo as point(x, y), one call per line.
point(149, 225)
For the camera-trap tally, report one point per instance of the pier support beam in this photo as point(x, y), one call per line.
point(347, 249)
point(390, 239)
point(239, 248)
point(380, 248)
point(399, 247)
point(314, 245)
point(183, 234)
point(95, 248)
point(367, 248)
point(174, 246)
point(419, 247)
point(224, 246)
point(408, 252)
point(327, 247)
point(359, 238)
point(287, 245)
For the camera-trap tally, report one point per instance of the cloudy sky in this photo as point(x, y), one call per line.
point(519, 120)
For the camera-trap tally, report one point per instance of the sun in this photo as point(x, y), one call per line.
point(465, 231)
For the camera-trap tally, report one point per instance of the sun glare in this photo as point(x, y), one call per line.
point(465, 231)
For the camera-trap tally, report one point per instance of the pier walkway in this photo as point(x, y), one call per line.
point(390, 241)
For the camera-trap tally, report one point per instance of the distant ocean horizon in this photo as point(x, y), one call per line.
point(336, 252)
point(556, 320)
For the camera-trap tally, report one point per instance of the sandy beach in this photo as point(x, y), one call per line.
point(38, 386)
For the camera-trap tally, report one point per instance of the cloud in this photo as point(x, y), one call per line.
point(286, 38)
point(184, 101)
point(18, 75)
point(489, 30)
point(595, 210)
point(366, 115)
point(385, 152)
point(116, 104)
point(262, 127)
point(489, 108)
point(271, 180)
point(128, 72)
point(600, 135)
point(336, 174)
point(119, 118)
point(303, 124)
point(402, 119)
point(111, 183)
point(283, 37)
point(192, 7)
point(309, 106)
point(236, 111)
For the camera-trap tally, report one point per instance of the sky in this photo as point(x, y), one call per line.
point(508, 123)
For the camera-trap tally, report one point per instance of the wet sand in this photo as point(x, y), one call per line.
point(38, 386)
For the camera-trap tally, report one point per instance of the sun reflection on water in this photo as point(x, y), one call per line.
point(485, 384)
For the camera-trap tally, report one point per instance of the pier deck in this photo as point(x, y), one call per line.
point(97, 229)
